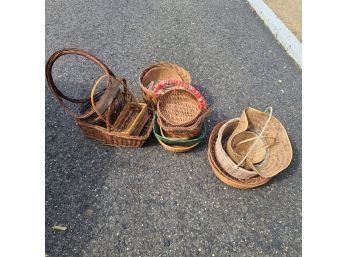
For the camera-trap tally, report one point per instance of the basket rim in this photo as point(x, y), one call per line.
point(177, 148)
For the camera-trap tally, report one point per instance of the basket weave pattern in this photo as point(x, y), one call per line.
point(178, 107)
point(158, 72)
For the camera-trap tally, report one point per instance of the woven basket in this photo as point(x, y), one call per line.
point(178, 107)
point(268, 128)
point(279, 152)
point(158, 72)
point(223, 158)
point(184, 132)
point(238, 146)
point(106, 103)
point(221, 174)
point(178, 141)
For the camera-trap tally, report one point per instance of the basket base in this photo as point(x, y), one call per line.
point(116, 139)
point(177, 148)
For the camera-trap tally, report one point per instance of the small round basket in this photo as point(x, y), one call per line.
point(178, 107)
point(178, 141)
point(157, 72)
point(220, 173)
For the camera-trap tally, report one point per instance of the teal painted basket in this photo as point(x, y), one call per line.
point(179, 142)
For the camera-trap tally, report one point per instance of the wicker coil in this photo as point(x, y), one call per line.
point(96, 121)
point(223, 158)
point(220, 173)
point(158, 72)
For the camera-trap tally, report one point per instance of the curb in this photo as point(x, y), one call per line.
point(285, 37)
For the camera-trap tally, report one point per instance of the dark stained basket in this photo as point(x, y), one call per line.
point(100, 130)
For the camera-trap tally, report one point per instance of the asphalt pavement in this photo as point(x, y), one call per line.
point(149, 202)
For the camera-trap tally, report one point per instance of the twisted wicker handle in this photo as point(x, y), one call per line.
point(56, 92)
point(256, 140)
point(178, 83)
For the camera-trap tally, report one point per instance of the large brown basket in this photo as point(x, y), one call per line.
point(101, 130)
point(157, 72)
point(221, 174)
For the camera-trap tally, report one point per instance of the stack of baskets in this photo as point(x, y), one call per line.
point(247, 152)
point(114, 116)
point(181, 110)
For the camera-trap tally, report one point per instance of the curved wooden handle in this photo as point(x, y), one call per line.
point(56, 92)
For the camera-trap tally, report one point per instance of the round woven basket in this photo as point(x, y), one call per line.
point(221, 174)
point(279, 152)
point(178, 107)
point(157, 72)
point(238, 146)
point(178, 141)
point(183, 132)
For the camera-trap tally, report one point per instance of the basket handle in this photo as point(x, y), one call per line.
point(178, 83)
point(254, 138)
point(56, 92)
point(257, 139)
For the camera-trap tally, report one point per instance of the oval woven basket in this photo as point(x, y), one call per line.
point(221, 174)
point(183, 132)
point(178, 141)
point(157, 72)
point(178, 107)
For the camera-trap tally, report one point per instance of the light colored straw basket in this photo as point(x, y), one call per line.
point(220, 173)
point(223, 158)
point(265, 125)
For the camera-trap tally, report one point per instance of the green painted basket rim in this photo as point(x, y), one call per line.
point(185, 142)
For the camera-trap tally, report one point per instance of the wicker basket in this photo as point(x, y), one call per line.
point(223, 158)
point(238, 146)
point(96, 122)
point(178, 141)
point(184, 132)
point(221, 174)
point(178, 107)
point(158, 72)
